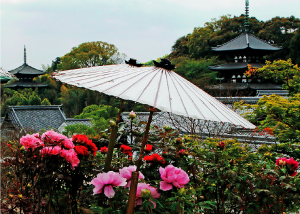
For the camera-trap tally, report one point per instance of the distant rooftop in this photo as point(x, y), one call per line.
point(246, 41)
point(36, 118)
point(235, 66)
point(26, 69)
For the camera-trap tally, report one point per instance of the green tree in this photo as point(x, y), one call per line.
point(180, 48)
point(217, 32)
point(295, 47)
point(34, 100)
point(45, 102)
point(283, 72)
point(73, 99)
point(70, 130)
point(89, 54)
point(279, 114)
point(196, 71)
point(17, 98)
point(100, 115)
point(279, 31)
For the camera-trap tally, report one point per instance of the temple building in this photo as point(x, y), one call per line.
point(244, 50)
point(25, 74)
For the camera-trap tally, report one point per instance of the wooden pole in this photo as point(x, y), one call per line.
point(112, 140)
point(134, 181)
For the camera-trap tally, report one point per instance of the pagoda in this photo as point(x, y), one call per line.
point(244, 50)
point(25, 74)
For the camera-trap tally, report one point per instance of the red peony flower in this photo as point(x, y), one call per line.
point(148, 148)
point(81, 150)
point(182, 152)
point(126, 150)
point(80, 138)
point(294, 164)
point(281, 161)
point(290, 163)
point(84, 140)
point(154, 158)
point(92, 147)
point(104, 150)
point(221, 145)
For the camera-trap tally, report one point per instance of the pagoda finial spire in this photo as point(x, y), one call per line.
point(24, 54)
point(247, 17)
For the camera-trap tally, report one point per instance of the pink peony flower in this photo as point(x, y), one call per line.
point(142, 192)
point(53, 137)
point(46, 150)
point(172, 176)
point(49, 150)
point(68, 144)
point(31, 142)
point(55, 150)
point(126, 173)
point(107, 181)
point(70, 156)
point(37, 135)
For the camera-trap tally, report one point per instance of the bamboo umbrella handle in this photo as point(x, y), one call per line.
point(135, 175)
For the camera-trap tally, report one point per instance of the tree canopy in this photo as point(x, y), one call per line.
point(279, 30)
point(90, 54)
point(282, 71)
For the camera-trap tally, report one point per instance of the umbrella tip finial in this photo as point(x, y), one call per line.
point(133, 62)
point(164, 63)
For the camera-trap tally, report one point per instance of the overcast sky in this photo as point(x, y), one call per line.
point(142, 29)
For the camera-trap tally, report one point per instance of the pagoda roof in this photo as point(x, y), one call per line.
point(26, 69)
point(246, 41)
point(235, 66)
point(21, 84)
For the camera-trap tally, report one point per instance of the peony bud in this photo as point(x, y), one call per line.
point(282, 163)
point(112, 123)
point(145, 193)
point(181, 192)
point(179, 141)
point(132, 115)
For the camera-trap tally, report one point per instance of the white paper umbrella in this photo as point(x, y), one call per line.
point(158, 87)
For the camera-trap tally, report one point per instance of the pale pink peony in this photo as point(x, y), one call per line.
point(126, 173)
point(172, 176)
point(107, 181)
point(30, 142)
point(53, 137)
point(70, 156)
point(141, 188)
